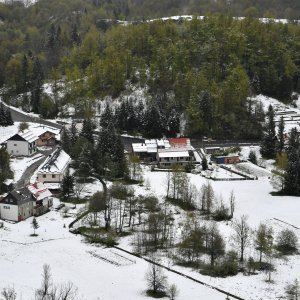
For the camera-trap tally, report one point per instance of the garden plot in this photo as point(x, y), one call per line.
point(251, 169)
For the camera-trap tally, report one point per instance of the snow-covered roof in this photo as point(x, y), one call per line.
point(150, 146)
point(139, 147)
point(27, 135)
point(38, 130)
point(166, 154)
point(39, 191)
point(57, 162)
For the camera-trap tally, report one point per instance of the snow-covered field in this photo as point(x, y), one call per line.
point(99, 273)
point(71, 259)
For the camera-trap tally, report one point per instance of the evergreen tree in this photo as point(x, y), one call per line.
point(153, 126)
point(37, 85)
point(173, 123)
point(204, 164)
point(280, 143)
point(2, 115)
point(66, 141)
point(67, 186)
point(107, 116)
point(252, 157)
point(268, 144)
point(292, 176)
point(73, 133)
point(8, 117)
point(87, 130)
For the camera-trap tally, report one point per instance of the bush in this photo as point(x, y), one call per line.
point(287, 242)
point(228, 267)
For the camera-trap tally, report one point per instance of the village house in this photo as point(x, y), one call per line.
point(54, 169)
point(147, 151)
point(22, 144)
point(47, 136)
point(171, 157)
point(42, 198)
point(18, 205)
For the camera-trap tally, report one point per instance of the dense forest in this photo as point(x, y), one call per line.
point(202, 70)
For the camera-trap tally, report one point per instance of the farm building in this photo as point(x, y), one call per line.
point(233, 159)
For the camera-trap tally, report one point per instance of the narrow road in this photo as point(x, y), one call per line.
point(19, 116)
point(25, 178)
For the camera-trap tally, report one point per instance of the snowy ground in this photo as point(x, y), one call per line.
point(253, 198)
point(290, 114)
point(98, 273)
point(20, 164)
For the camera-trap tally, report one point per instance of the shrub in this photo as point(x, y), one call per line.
point(287, 242)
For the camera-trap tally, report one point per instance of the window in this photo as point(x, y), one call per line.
point(44, 175)
point(6, 207)
point(15, 145)
point(53, 175)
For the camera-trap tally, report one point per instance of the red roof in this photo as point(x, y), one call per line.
point(178, 141)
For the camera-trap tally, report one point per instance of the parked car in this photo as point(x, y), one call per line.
point(60, 206)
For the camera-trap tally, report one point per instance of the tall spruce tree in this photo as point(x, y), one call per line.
point(87, 130)
point(37, 85)
point(268, 145)
point(292, 176)
point(280, 143)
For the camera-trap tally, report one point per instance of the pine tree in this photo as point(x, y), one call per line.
point(67, 185)
point(87, 130)
point(292, 176)
point(73, 133)
point(66, 140)
point(8, 117)
point(268, 144)
point(280, 143)
point(37, 85)
point(2, 115)
point(107, 116)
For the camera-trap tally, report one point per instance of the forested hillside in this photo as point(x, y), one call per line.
point(203, 69)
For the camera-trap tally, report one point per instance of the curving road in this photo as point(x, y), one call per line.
point(19, 116)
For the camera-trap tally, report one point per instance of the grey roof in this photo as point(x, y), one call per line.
point(17, 197)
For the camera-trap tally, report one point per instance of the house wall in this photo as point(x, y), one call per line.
point(170, 161)
point(49, 177)
point(25, 210)
point(44, 139)
point(9, 212)
point(21, 148)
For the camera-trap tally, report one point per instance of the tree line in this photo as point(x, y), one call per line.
point(204, 70)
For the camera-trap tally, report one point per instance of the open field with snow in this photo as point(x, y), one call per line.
point(71, 259)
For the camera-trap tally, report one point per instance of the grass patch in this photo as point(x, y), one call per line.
point(183, 205)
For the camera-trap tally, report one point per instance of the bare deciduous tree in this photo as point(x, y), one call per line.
point(242, 234)
point(173, 292)
point(9, 294)
point(156, 280)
